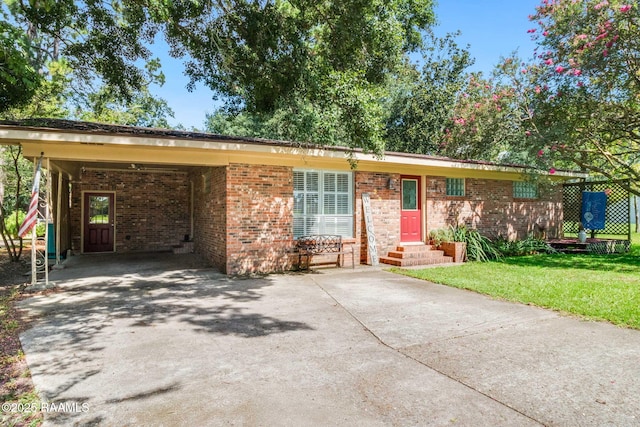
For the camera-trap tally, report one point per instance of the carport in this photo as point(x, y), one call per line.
point(121, 189)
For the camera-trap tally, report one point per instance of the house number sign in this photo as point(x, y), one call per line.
point(368, 221)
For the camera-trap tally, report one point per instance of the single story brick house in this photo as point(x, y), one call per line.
point(242, 202)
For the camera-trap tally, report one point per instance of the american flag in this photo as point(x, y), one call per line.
point(32, 215)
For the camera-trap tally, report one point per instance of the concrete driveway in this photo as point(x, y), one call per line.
point(163, 341)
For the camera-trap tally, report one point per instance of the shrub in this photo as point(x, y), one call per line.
point(11, 225)
point(528, 246)
point(479, 247)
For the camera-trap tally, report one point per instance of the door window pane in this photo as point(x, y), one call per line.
point(409, 194)
point(99, 210)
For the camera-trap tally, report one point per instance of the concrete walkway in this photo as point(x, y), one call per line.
point(162, 341)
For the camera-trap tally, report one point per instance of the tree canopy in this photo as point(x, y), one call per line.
point(575, 104)
point(320, 68)
point(589, 110)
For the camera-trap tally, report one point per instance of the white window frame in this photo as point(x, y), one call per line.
point(464, 187)
point(313, 219)
point(525, 190)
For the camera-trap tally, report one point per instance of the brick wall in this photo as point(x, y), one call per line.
point(259, 219)
point(385, 209)
point(489, 206)
point(210, 214)
point(152, 209)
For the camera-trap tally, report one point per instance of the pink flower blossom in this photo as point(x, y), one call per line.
point(549, 61)
point(531, 30)
point(478, 105)
point(540, 153)
point(538, 90)
point(601, 5)
point(524, 71)
point(625, 8)
point(580, 84)
point(552, 171)
point(605, 53)
point(459, 121)
point(528, 133)
point(495, 97)
point(559, 69)
point(545, 33)
point(577, 72)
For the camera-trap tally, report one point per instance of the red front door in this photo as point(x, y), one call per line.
point(99, 222)
point(410, 214)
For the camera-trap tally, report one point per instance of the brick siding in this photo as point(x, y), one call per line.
point(152, 208)
point(243, 214)
point(210, 214)
point(385, 209)
point(260, 219)
point(489, 206)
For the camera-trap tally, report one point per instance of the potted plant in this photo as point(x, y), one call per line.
point(445, 240)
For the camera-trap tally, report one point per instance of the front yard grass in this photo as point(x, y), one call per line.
point(597, 287)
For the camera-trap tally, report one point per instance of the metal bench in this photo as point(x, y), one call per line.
point(323, 244)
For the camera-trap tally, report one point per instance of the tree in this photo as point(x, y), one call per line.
point(102, 43)
point(142, 109)
point(589, 60)
point(19, 79)
point(421, 104)
point(14, 171)
point(493, 117)
point(302, 61)
point(575, 104)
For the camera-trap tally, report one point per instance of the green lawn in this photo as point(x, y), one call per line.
point(599, 287)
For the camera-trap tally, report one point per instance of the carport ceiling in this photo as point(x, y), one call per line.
point(74, 168)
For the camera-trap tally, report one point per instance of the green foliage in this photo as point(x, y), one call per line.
point(101, 41)
point(528, 246)
point(309, 71)
point(19, 79)
point(12, 222)
point(420, 105)
point(49, 99)
point(479, 248)
point(574, 105)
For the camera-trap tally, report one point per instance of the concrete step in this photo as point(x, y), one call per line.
point(410, 262)
point(414, 248)
point(427, 253)
point(183, 248)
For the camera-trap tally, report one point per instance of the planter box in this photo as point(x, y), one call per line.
point(456, 250)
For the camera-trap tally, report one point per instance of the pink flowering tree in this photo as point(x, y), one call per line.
point(575, 104)
point(493, 118)
point(589, 60)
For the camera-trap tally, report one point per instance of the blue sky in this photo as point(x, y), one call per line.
point(492, 28)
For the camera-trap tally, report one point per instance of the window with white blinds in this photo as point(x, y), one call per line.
point(322, 203)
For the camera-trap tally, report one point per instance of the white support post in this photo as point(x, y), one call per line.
point(57, 212)
point(47, 218)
